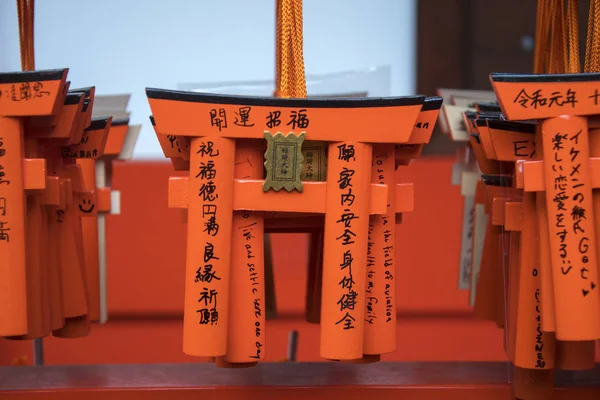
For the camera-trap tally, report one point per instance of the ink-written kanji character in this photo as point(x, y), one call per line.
point(345, 179)
point(347, 282)
point(211, 226)
point(243, 117)
point(206, 149)
point(347, 301)
point(209, 252)
point(298, 119)
point(218, 118)
point(346, 152)
point(208, 297)
point(4, 236)
point(557, 141)
point(347, 261)
point(346, 218)
point(206, 274)
point(207, 191)
point(347, 320)
point(207, 170)
point(273, 119)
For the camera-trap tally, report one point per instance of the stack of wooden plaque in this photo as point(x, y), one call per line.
point(50, 203)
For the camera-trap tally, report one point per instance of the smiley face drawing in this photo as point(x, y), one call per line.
point(86, 206)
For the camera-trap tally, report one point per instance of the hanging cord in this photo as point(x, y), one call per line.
point(290, 79)
point(558, 50)
point(592, 48)
point(557, 37)
point(574, 66)
point(542, 33)
point(25, 13)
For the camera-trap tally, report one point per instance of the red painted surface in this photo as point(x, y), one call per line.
point(146, 246)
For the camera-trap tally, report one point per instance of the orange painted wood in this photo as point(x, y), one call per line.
point(343, 302)
point(67, 121)
point(103, 202)
point(311, 201)
point(161, 226)
point(32, 93)
point(572, 241)
point(527, 97)
point(89, 230)
point(246, 329)
point(510, 331)
point(54, 284)
point(547, 306)
point(116, 138)
point(336, 120)
point(380, 316)
point(424, 125)
point(534, 348)
point(533, 173)
point(512, 142)
point(34, 173)
point(13, 284)
point(210, 212)
point(72, 257)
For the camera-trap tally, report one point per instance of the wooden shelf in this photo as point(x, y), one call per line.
point(280, 380)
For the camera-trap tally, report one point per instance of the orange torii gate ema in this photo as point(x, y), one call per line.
point(226, 197)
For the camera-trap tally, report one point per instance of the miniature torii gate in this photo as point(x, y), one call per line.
point(506, 292)
point(224, 208)
point(49, 284)
point(23, 95)
point(566, 291)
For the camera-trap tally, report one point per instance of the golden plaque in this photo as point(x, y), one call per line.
point(284, 161)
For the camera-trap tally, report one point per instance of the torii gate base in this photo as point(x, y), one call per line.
point(315, 381)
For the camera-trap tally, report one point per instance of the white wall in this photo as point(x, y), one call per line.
point(123, 46)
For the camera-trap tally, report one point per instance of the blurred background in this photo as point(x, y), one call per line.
point(351, 47)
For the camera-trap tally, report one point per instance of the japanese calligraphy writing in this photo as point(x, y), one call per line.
point(218, 118)
point(4, 231)
point(315, 161)
point(308, 165)
point(347, 301)
point(242, 117)
point(206, 272)
point(571, 197)
point(25, 91)
point(273, 119)
point(539, 99)
point(298, 119)
point(3, 178)
point(208, 301)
